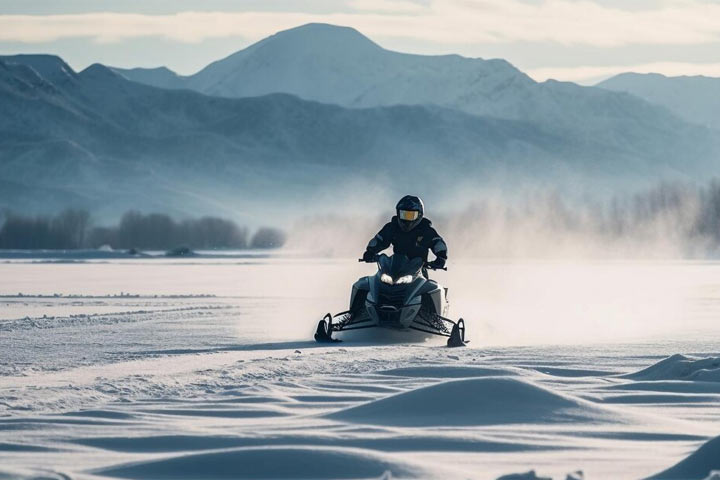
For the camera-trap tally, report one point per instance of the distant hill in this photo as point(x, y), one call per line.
point(695, 99)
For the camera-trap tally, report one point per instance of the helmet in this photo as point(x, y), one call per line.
point(409, 211)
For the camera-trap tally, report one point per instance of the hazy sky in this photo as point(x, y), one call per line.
point(578, 40)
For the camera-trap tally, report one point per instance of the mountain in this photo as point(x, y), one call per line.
point(115, 144)
point(339, 65)
point(161, 77)
point(322, 114)
point(50, 68)
point(695, 99)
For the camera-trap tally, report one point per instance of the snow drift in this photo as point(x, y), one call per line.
point(698, 466)
point(680, 367)
point(284, 462)
point(477, 401)
point(531, 475)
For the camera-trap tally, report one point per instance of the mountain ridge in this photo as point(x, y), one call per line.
point(122, 144)
point(341, 66)
point(694, 98)
point(405, 125)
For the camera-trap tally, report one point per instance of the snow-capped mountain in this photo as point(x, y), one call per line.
point(319, 106)
point(339, 65)
point(695, 99)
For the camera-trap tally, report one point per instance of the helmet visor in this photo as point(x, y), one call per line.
point(408, 215)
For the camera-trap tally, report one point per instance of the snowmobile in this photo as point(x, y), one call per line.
point(400, 297)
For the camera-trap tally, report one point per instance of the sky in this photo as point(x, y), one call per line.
point(575, 40)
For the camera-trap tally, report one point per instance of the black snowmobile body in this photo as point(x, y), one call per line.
point(399, 296)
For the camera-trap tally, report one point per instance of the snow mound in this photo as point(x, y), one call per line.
point(531, 475)
point(700, 465)
point(680, 367)
point(31, 474)
point(477, 401)
point(261, 463)
point(448, 371)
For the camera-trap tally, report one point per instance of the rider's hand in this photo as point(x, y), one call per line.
point(368, 256)
point(437, 264)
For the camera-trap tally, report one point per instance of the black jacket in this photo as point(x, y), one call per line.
point(414, 243)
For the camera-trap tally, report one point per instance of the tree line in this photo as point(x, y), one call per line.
point(74, 229)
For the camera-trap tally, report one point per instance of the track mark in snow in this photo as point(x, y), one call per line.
point(45, 322)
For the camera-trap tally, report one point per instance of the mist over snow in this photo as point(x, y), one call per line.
point(667, 221)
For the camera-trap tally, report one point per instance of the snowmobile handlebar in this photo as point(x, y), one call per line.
point(427, 264)
point(430, 267)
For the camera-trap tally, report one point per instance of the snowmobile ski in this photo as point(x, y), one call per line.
point(457, 335)
point(323, 333)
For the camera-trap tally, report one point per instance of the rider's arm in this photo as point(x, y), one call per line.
point(439, 248)
point(379, 242)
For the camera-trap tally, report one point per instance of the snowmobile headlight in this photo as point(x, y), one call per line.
point(405, 279)
point(385, 278)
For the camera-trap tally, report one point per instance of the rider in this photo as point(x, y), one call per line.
point(410, 234)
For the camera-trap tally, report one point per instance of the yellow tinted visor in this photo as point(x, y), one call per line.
point(408, 215)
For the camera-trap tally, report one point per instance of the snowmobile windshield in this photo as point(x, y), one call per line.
point(399, 265)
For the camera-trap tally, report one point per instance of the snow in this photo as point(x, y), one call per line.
point(206, 370)
point(698, 466)
point(477, 401)
point(434, 371)
point(680, 367)
point(531, 475)
point(271, 463)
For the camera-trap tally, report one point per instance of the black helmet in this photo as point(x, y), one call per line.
point(409, 211)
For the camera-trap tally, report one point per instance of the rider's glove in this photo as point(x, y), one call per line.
point(368, 256)
point(438, 263)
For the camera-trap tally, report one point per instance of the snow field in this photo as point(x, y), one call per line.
point(188, 386)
